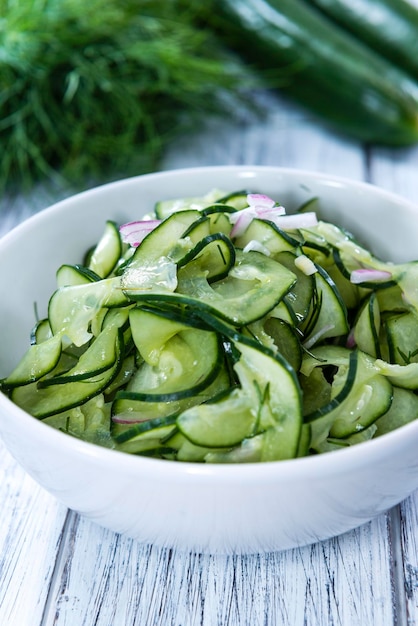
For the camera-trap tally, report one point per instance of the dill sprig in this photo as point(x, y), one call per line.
point(92, 89)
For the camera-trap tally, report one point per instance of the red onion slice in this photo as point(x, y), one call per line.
point(134, 232)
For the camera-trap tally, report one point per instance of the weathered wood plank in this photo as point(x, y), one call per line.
point(109, 580)
point(30, 535)
point(285, 137)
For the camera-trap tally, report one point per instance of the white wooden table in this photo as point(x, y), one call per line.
point(58, 569)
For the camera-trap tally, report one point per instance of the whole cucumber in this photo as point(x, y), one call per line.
point(322, 66)
point(388, 26)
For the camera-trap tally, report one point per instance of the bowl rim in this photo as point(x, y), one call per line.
point(337, 462)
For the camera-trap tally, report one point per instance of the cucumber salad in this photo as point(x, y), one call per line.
point(223, 330)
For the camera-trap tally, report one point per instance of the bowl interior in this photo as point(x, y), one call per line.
point(32, 252)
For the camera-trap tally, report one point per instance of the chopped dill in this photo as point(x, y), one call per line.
point(94, 90)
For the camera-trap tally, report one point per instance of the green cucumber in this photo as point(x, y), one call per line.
point(39, 360)
point(404, 409)
point(165, 208)
point(328, 316)
point(252, 288)
point(105, 256)
point(360, 393)
point(367, 327)
point(388, 26)
point(268, 402)
point(214, 255)
point(69, 275)
point(402, 337)
point(183, 363)
point(153, 265)
point(71, 309)
point(47, 401)
point(322, 66)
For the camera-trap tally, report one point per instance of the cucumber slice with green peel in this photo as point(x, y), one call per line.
point(359, 393)
point(402, 337)
point(268, 401)
point(98, 358)
point(199, 229)
point(367, 327)
point(105, 256)
point(187, 363)
point(286, 340)
point(233, 420)
point(328, 316)
point(44, 402)
point(252, 288)
point(151, 332)
point(41, 331)
point(39, 360)
point(404, 409)
point(273, 238)
point(153, 265)
point(165, 208)
point(300, 295)
point(129, 416)
point(69, 275)
point(213, 256)
point(71, 309)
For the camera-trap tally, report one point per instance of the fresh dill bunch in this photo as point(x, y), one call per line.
point(93, 89)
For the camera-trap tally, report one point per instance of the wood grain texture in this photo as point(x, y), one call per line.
point(71, 572)
point(30, 536)
point(108, 580)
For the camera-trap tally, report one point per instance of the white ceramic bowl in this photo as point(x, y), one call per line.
point(210, 508)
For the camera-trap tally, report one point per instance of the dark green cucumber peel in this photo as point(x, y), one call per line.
point(323, 67)
point(388, 26)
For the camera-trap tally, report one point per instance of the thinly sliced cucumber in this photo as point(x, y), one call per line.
point(402, 337)
point(404, 409)
point(71, 309)
point(98, 358)
point(149, 435)
point(153, 266)
point(165, 208)
point(105, 255)
point(367, 327)
point(151, 332)
point(359, 393)
point(40, 359)
point(69, 275)
point(286, 340)
point(300, 295)
point(226, 425)
point(41, 331)
point(128, 415)
point(328, 317)
point(268, 235)
point(213, 256)
point(46, 402)
point(268, 400)
point(253, 287)
point(194, 349)
point(187, 363)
